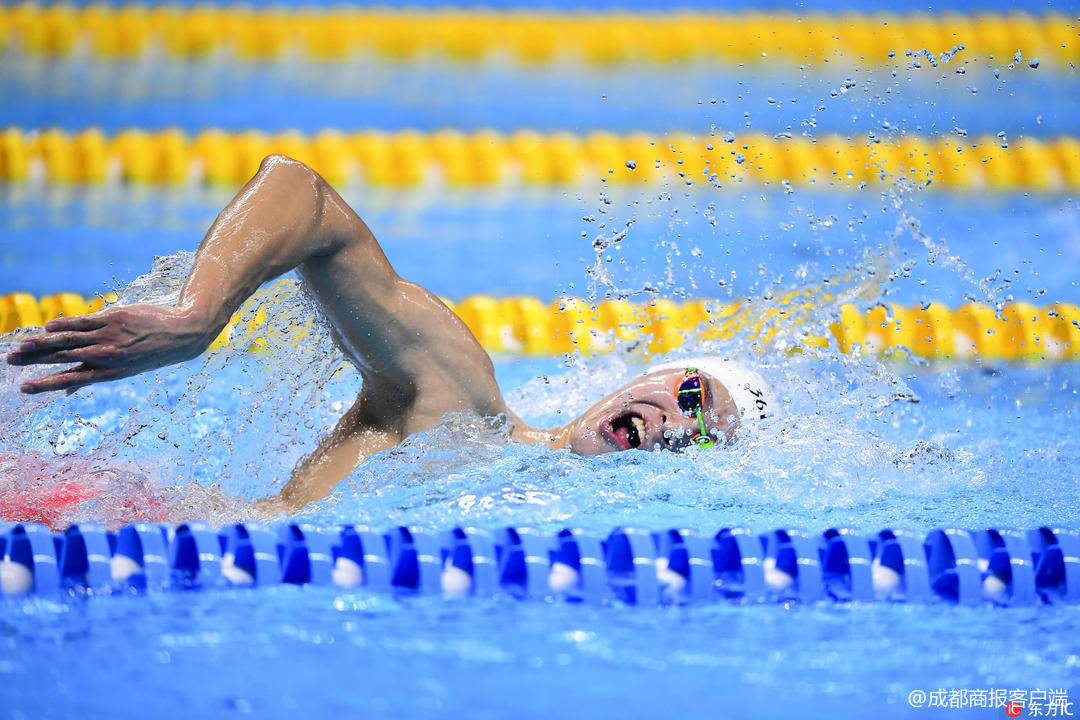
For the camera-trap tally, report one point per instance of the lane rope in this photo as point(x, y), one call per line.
point(631, 565)
point(528, 37)
point(485, 158)
point(1017, 331)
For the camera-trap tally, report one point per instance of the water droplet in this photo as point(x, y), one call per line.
point(729, 137)
point(892, 53)
point(1034, 64)
point(631, 164)
point(740, 158)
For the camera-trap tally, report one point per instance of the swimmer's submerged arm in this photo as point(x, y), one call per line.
point(351, 442)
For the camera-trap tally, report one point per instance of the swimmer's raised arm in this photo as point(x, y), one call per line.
point(286, 217)
point(271, 226)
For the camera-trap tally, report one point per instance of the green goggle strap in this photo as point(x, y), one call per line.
point(703, 440)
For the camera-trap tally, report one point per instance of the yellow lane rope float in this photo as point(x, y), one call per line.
point(528, 37)
point(527, 325)
point(408, 158)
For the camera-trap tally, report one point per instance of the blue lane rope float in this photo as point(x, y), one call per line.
point(631, 565)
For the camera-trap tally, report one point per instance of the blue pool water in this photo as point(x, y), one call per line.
point(985, 445)
point(1028, 247)
point(281, 652)
point(431, 95)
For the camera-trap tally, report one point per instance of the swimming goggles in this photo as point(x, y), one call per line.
point(690, 394)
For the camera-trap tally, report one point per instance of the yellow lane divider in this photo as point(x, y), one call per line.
point(482, 158)
point(1020, 331)
point(130, 30)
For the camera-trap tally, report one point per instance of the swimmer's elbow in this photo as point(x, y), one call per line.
point(284, 170)
point(313, 210)
point(290, 184)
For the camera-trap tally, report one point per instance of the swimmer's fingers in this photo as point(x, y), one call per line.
point(73, 378)
point(95, 355)
point(45, 347)
point(78, 322)
point(115, 343)
point(62, 333)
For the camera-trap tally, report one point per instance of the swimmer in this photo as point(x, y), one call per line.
point(417, 359)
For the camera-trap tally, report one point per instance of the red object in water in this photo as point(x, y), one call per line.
point(33, 490)
point(46, 503)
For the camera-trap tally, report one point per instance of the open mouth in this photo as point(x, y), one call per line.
point(627, 430)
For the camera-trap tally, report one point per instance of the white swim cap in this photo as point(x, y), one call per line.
point(752, 395)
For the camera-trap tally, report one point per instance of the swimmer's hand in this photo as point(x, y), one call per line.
point(115, 343)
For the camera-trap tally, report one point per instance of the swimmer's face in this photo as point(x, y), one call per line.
point(645, 415)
